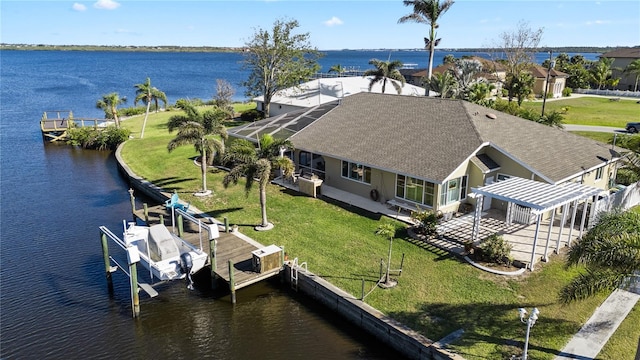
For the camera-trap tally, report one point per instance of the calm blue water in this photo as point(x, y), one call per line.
point(54, 302)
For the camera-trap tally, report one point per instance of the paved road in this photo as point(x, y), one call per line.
point(608, 129)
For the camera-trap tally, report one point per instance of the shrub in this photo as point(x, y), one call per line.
point(626, 176)
point(252, 115)
point(566, 92)
point(427, 221)
point(131, 111)
point(495, 249)
point(98, 138)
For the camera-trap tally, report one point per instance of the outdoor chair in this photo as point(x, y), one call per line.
point(173, 202)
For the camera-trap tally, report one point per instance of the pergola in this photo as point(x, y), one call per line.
point(538, 198)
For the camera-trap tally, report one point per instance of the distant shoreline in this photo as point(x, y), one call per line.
point(172, 48)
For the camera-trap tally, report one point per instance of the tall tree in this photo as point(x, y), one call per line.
point(610, 252)
point(519, 85)
point(448, 59)
point(278, 60)
point(634, 69)
point(444, 84)
point(427, 12)
point(517, 48)
point(479, 91)
point(200, 129)
point(256, 164)
point(224, 94)
point(601, 71)
point(147, 93)
point(338, 69)
point(109, 103)
point(386, 70)
point(465, 72)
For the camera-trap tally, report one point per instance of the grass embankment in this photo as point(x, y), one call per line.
point(591, 110)
point(437, 294)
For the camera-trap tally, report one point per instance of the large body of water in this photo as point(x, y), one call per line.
point(54, 301)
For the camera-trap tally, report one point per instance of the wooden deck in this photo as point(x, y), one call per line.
point(230, 246)
point(55, 124)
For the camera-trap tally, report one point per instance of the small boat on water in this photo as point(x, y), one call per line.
point(164, 254)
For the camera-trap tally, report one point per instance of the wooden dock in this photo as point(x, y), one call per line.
point(232, 258)
point(56, 124)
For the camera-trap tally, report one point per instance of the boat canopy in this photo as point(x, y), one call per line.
point(162, 246)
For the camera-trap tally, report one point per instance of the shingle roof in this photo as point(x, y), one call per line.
point(633, 53)
point(540, 72)
point(430, 137)
point(552, 153)
point(419, 136)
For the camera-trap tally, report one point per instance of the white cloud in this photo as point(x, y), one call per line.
point(333, 21)
point(106, 5)
point(79, 7)
point(598, 22)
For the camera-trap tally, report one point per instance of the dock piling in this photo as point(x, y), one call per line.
point(180, 225)
point(232, 283)
point(107, 262)
point(226, 224)
point(212, 258)
point(146, 213)
point(133, 204)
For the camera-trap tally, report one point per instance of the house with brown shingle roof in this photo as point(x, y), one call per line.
point(622, 58)
point(555, 85)
point(432, 151)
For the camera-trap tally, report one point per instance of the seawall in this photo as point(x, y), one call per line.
point(391, 332)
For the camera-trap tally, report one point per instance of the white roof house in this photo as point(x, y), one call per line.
point(324, 90)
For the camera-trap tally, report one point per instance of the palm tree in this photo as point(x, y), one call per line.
point(634, 69)
point(610, 252)
point(553, 119)
point(427, 12)
point(601, 71)
point(338, 69)
point(146, 93)
point(386, 70)
point(479, 91)
point(387, 230)
point(194, 129)
point(256, 164)
point(109, 103)
point(444, 84)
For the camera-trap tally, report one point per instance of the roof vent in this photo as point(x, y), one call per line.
point(491, 116)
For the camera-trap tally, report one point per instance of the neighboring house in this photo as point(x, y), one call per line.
point(556, 84)
point(622, 58)
point(414, 76)
point(430, 151)
point(494, 72)
point(325, 90)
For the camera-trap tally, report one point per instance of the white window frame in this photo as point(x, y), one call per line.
point(425, 184)
point(349, 166)
point(463, 185)
point(599, 173)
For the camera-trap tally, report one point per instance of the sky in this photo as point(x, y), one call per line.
point(332, 25)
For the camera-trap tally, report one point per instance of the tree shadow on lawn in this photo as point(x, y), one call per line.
point(354, 209)
point(217, 213)
point(495, 324)
point(168, 181)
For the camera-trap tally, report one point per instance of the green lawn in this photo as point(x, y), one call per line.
point(437, 293)
point(589, 110)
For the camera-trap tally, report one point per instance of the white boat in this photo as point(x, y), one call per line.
point(164, 254)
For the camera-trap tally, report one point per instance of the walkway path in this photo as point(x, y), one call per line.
point(595, 333)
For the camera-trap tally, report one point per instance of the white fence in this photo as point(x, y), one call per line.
point(615, 93)
point(620, 200)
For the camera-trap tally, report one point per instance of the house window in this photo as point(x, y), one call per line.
point(415, 190)
point(356, 172)
point(599, 173)
point(453, 191)
point(501, 177)
point(305, 158)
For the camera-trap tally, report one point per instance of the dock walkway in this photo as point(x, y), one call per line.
point(231, 247)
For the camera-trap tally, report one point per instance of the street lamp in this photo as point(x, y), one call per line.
point(546, 84)
point(530, 321)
